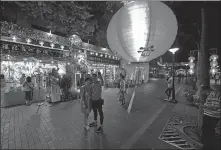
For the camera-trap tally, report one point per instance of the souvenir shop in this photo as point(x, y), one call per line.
point(46, 58)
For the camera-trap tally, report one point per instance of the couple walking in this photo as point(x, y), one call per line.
point(91, 99)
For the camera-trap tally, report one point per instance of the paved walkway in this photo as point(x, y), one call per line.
point(61, 126)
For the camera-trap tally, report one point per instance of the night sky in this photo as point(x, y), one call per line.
point(189, 13)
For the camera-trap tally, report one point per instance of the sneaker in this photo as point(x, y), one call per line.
point(93, 124)
point(99, 129)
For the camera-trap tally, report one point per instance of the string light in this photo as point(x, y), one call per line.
point(41, 43)
point(62, 47)
point(52, 45)
point(14, 38)
point(28, 41)
point(49, 34)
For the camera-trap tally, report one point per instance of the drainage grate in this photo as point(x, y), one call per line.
point(171, 136)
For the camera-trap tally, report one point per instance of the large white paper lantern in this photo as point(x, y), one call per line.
point(142, 24)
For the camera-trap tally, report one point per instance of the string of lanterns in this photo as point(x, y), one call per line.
point(191, 64)
point(213, 63)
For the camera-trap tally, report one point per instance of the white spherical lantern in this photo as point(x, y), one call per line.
point(213, 63)
point(213, 70)
point(142, 24)
point(214, 57)
point(191, 64)
point(191, 71)
point(191, 58)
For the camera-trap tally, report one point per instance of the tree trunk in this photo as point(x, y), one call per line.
point(203, 66)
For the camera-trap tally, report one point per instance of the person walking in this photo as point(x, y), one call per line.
point(210, 118)
point(86, 97)
point(170, 87)
point(97, 103)
point(122, 90)
point(28, 88)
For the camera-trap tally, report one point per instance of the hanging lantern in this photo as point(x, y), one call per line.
point(191, 71)
point(213, 64)
point(138, 24)
point(101, 55)
point(191, 64)
point(96, 54)
point(214, 57)
point(213, 70)
point(91, 53)
point(191, 58)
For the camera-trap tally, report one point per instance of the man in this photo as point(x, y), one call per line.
point(97, 103)
point(211, 117)
point(170, 87)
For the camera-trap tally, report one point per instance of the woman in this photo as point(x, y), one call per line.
point(86, 96)
point(28, 88)
point(122, 91)
point(3, 84)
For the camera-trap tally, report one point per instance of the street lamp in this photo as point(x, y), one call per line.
point(173, 51)
point(186, 72)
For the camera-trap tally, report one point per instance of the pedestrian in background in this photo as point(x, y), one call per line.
point(28, 88)
point(169, 87)
point(122, 90)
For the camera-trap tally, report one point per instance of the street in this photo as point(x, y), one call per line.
point(61, 126)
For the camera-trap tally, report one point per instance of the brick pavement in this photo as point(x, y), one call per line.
point(61, 126)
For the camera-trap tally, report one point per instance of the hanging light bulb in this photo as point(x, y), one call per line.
point(96, 54)
point(14, 38)
point(214, 57)
point(52, 45)
point(62, 47)
point(28, 41)
point(41, 43)
point(101, 55)
point(49, 34)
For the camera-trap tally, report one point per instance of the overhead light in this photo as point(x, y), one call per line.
point(62, 47)
point(49, 34)
point(14, 38)
point(96, 54)
point(173, 50)
point(52, 45)
point(41, 43)
point(28, 41)
point(101, 55)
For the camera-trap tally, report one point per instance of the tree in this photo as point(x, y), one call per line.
point(203, 63)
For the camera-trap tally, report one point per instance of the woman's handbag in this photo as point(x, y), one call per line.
point(102, 101)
